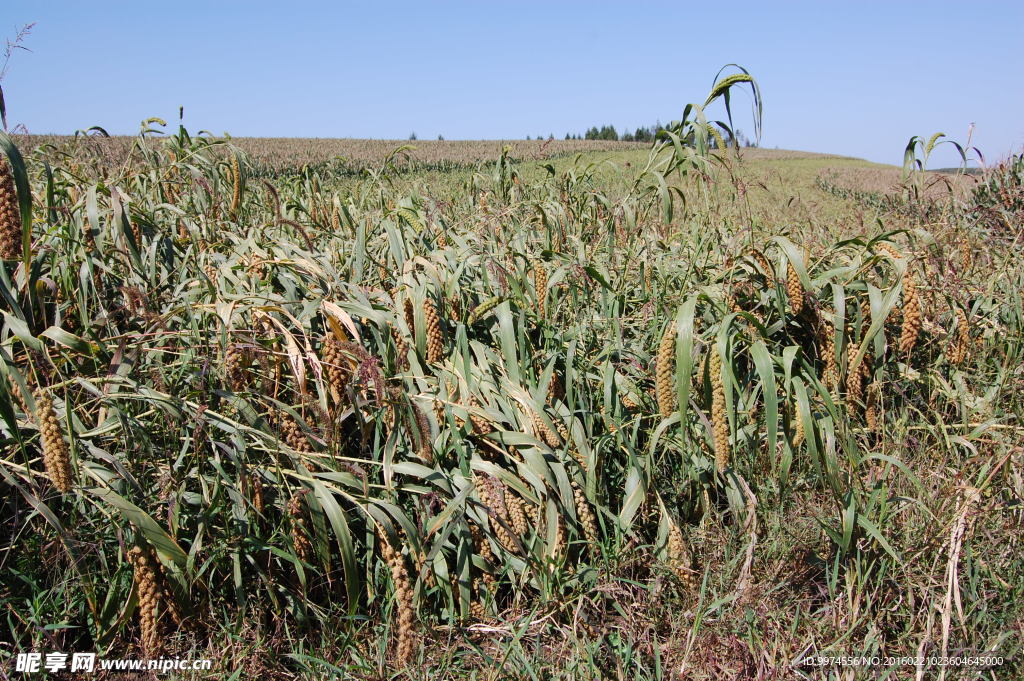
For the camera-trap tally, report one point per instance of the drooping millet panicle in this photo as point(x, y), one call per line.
point(516, 513)
point(563, 430)
point(794, 290)
point(797, 424)
point(491, 497)
point(888, 249)
point(147, 585)
point(403, 598)
point(555, 389)
point(483, 549)
point(966, 254)
point(401, 343)
point(585, 515)
point(335, 220)
point(911, 313)
point(483, 308)
point(874, 393)
point(425, 444)
point(679, 557)
point(719, 419)
point(212, 273)
point(56, 458)
point(830, 374)
point(558, 547)
point(15, 390)
point(542, 430)
point(236, 192)
point(435, 341)
point(481, 426)
point(854, 378)
point(314, 210)
point(766, 267)
point(455, 305)
point(961, 344)
point(410, 218)
point(732, 302)
point(300, 534)
point(236, 362)
point(336, 367)
point(89, 239)
point(10, 214)
point(665, 378)
point(540, 286)
point(533, 514)
point(292, 434)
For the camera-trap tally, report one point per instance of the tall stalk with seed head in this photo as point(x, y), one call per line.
point(664, 385)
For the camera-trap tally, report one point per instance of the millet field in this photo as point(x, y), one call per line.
point(532, 410)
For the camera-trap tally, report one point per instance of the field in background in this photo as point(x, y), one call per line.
point(270, 155)
point(648, 413)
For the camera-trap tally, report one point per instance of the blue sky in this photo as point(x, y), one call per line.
point(855, 78)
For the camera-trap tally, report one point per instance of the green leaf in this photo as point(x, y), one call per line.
point(150, 529)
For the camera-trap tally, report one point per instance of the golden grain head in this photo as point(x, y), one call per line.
point(540, 284)
point(854, 378)
point(147, 584)
point(911, 314)
point(336, 367)
point(679, 557)
point(435, 340)
point(404, 603)
point(665, 379)
point(10, 215)
point(585, 515)
point(424, 435)
point(236, 366)
point(292, 433)
point(516, 513)
point(765, 265)
point(481, 425)
point(301, 542)
point(236, 193)
point(541, 429)
point(719, 418)
point(794, 290)
point(827, 341)
point(871, 409)
point(56, 458)
point(492, 496)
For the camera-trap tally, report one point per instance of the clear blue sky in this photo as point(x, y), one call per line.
point(856, 78)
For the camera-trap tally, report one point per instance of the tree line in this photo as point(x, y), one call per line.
point(645, 134)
